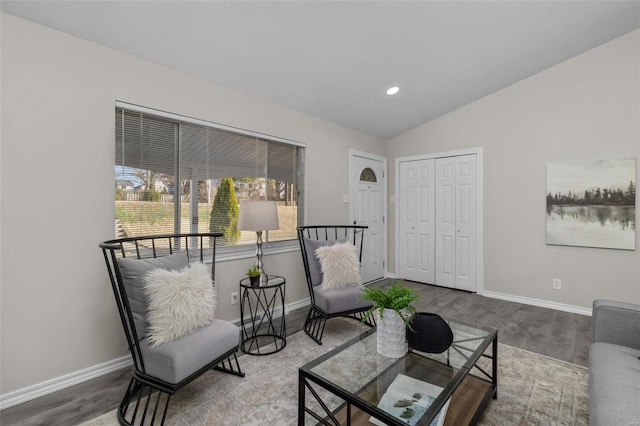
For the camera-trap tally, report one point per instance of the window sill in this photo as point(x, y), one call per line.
point(250, 252)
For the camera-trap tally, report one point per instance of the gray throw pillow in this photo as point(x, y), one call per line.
point(134, 271)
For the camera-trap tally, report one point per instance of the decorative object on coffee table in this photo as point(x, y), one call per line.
point(429, 333)
point(392, 340)
point(393, 312)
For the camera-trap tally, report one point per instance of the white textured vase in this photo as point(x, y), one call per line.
point(391, 334)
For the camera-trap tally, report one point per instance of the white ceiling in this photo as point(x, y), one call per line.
point(336, 59)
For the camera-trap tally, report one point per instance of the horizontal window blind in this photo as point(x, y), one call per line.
point(168, 172)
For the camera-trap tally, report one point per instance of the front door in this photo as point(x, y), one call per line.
point(367, 208)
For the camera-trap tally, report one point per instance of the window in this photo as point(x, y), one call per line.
point(177, 174)
point(368, 175)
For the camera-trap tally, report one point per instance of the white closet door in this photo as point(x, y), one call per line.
point(456, 228)
point(466, 226)
point(445, 221)
point(416, 221)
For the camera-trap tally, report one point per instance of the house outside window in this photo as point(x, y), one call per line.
point(174, 174)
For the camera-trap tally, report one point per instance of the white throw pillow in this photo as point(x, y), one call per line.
point(179, 302)
point(339, 264)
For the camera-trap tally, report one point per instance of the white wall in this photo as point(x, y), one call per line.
point(585, 108)
point(58, 94)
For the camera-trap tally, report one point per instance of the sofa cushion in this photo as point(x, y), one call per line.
point(134, 273)
point(614, 384)
point(177, 359)
point(333, 300)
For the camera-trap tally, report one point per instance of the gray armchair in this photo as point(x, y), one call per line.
point(331, 302)
point(162, 368)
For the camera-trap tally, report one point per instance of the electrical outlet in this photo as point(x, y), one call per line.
point(557, 284)
point(234, 298)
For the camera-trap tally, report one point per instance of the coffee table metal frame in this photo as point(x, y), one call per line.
point(351, 399)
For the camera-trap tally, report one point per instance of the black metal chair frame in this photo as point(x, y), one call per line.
point(142, 385)
point(317, 317)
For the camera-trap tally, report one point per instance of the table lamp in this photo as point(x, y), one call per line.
point(258, 216)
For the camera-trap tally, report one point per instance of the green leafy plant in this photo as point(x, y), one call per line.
point(396, 297)
point(253, 271)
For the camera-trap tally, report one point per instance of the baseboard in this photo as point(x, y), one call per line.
point(538, 302)
point(63, 382)
point(299, 304)
point(530, 301)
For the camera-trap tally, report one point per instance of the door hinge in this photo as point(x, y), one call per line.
point(383, 264)
point(382, 219)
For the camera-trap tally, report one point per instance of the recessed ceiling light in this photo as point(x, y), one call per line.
point(393, 90)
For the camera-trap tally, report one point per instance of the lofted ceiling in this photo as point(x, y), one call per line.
point(335, 59)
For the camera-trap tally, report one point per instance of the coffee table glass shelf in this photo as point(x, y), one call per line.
point(354, 385)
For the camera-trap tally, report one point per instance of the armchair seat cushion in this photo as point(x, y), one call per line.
point(177, 359)
point(334, 300)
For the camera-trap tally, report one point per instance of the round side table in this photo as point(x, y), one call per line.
point(258, 325)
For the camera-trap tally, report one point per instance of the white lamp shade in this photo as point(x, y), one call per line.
point(258, 215)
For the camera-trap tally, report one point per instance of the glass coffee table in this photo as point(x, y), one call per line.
point(354, 385)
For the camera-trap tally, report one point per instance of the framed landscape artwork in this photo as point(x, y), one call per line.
point(592, 204)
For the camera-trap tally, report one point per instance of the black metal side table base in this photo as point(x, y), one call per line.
point(258, 325)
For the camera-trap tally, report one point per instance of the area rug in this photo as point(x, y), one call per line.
point(532, 389)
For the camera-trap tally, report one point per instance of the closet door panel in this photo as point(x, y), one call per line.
point(466, 227)
point(416, 216)
point(445, 222)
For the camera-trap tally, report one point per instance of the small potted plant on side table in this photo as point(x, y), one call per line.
point(254, 276)
point(393, 311)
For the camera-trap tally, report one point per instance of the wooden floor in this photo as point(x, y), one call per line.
point(553, 333)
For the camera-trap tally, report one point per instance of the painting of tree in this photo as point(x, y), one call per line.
point(592, 204)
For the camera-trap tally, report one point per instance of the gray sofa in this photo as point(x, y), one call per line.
point(614, 364)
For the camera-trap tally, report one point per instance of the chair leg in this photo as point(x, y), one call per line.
point(371, 322)
point(138, 407)
point(146, 404)
point(314, 325)
point(227, 366)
